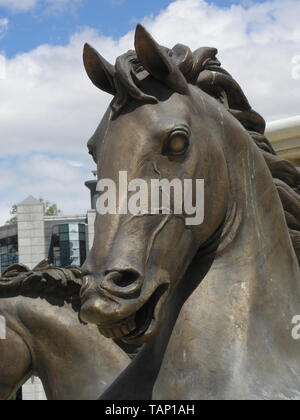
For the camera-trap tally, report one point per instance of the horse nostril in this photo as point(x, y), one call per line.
point(122, 278)
point(122, 281)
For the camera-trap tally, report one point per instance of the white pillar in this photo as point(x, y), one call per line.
point(31, 232)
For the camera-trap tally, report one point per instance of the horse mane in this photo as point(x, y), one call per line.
point(201, 68)
point(130, 73)
point(44, 281)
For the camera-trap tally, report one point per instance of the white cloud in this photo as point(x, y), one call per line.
point(40, 175)
point(75, 164)
point(256, 44)
point(19, 5)
point(49, 107)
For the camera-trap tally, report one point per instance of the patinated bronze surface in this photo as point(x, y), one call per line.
point(45, 337)
point(207, 308)
point(232, 338)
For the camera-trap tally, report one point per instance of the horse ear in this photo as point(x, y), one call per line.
point(100, 71)
point(157, 62)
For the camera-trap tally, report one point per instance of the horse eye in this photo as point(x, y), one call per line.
point(177, 144)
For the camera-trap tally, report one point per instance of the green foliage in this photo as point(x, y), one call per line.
point(51, 209)
point(13, 213)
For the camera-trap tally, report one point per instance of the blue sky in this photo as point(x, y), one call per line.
point(111, 17)
point(49, 108)
point(43, 24)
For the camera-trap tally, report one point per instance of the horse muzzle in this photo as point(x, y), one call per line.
point(120, 308)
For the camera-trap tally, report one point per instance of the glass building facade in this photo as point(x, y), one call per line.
point(68, 245)
point(8, 252)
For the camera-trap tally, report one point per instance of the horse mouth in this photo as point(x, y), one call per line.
point(142, 323)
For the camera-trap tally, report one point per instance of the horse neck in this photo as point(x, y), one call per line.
point(256, 257)
point(256, 260)
point(249, 296)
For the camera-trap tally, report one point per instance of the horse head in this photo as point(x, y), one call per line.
point(158, 127)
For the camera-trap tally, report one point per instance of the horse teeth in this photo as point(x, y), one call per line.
point(119, 331)
point(131, 325)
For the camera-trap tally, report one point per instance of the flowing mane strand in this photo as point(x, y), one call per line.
point(45, 281)
point(127, 82)
point(200, 68)
point(129, 73)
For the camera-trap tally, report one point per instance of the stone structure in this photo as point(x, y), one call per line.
point(31, 232)
point(28, 242)
point(285, 138)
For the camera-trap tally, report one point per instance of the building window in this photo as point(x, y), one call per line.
point(68, 245)
point(8, 252)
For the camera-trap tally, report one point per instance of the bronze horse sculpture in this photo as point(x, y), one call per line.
point(212, 304)
point(45, 338)
point(207, 308)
